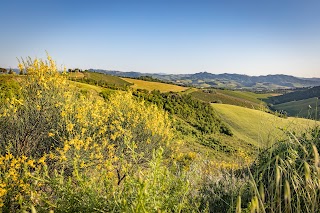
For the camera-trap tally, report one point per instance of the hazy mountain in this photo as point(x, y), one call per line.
point(227, 80)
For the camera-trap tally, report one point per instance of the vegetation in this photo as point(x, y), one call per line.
point(238, 98)
point(198, 114)
point(3, 70)
point(99, 79)
point(296, 96)
point(66, 150)
point(150, 86)
point(307, 108)
point(257, 127)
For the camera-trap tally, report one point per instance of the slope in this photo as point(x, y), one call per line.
point(99, 79)
point(296, 96)
point(304, 108)
point(148, 85)
point(259, 128)
point(239, 98)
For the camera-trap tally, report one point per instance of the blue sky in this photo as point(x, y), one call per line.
point(253, 37)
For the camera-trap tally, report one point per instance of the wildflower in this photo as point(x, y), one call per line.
point(30, 163)
point(42, 160)
point(50, 134)
point(70, 127)
point(21, 67)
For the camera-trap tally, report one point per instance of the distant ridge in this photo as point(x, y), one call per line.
point(226, 80)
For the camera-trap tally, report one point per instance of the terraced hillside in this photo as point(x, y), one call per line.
point(259, 128)
point(148, 85)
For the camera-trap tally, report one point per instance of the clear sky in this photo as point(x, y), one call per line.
point(253, 37)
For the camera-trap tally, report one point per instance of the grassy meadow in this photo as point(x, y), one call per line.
point(260, 128)
point(306, 108)
point(70, 146)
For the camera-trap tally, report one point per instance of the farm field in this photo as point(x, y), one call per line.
point(148, 85)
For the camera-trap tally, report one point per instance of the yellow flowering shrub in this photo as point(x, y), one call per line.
point(57, 142)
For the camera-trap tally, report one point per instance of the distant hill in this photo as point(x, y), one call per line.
point(296, 96)
point(225, 80)
point(306, 108)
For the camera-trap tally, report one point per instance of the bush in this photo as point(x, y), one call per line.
point(66, 151)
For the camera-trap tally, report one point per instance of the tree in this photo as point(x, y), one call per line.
point(3, 70)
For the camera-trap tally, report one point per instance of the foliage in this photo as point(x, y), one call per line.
point(285, 178)
point(307, 108)
point(65, 151)
point(296, 95)
point(198, 114)
point(3, 70)
point(99, 79)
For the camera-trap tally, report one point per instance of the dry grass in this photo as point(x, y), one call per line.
point(148, 85)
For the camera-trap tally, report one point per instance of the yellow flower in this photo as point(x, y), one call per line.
point(70, 127)
point(42, 159)
point(50, 134)
point(21, 67)
point(31, 163)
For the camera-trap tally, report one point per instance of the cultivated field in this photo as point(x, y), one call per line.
point(148, 85)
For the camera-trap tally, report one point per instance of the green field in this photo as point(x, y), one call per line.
point(148, 85)
point(259, 128)
point(304, 108)
point(239, 98)
point(100, 78)
point(246, 95)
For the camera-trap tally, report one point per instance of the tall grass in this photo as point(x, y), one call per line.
point(286, 177)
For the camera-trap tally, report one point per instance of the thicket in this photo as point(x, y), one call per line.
point(196, 113)
point(68, 152)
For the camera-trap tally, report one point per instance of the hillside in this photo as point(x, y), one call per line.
point(259, 128)
point(296, 95)
point(122, 141)
point(239, 98)
point(100, 79)
point(149, 85)
point(306, 108)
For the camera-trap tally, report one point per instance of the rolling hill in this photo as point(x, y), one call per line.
point(306, 108)
point(259, 128)
point(149, 85)
point(225, 80)
point(239, 98)
point(296, 95)
point(100, 79)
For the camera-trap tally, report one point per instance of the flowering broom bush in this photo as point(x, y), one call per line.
point(65, 151)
